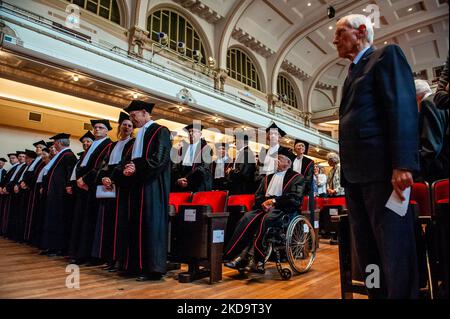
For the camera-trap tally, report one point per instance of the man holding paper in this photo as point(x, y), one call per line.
point(379, 151)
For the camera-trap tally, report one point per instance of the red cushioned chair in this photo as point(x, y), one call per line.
point(237, 206)
point(175, 200)
point(420, 199)
point(330, 208)
point(439, 194)
point(198, 235)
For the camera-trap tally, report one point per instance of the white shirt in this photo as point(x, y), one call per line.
point(275, 187)
point(297, 165)
point(73, 177)
point(23, 173)
point(270, 166)
point(91, 150)
point(189, 157)
point(116, 154)
point(34, 164)
point(138, 146)
point(220, 167)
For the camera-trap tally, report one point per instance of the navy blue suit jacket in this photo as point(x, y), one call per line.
point(378, 118)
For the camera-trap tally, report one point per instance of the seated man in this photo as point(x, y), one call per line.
point(278, 194)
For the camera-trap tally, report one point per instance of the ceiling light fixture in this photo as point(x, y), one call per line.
point(75, 77)
point(135, 95)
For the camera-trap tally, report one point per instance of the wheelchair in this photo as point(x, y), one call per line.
point(291, 238)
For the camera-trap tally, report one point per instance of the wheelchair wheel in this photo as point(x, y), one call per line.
point(300, 244)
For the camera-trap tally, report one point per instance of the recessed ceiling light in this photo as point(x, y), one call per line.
point(75, 77)
point(385, 42)
point(135, 95)
point(309, 4)
point(330, 27)
point(418, 31)
point(364, 10)
point(180, 109)
point(410, 9)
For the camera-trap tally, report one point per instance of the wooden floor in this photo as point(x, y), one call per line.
point(25, 274)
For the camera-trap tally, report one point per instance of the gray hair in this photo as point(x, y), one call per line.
point(64, 142)
point(334, 157)
point(422, 87)
point(355, 20)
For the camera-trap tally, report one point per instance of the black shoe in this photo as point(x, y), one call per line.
point(44, 252)
point(255, 267)
point(237, 263)
point(151, 276)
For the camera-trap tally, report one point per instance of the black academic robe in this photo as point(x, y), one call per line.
point(254, 224)
point(86, 206)
point(222, 183)
point(149, 203)
point(199, 174)
point(2, 175)
point(54, 230)
point(242, 177)
point(5, 201)
point(111, 227)
point(32, 201)
point(14, 209)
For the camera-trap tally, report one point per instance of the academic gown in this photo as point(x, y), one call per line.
point(54, 230)
point(242, 177)
point(85, 210)
point(198, 175)
point(14, 212)
point(149, 203)
point(5, 201)
point(33, 201)
point(111, 227)
point(222, 183)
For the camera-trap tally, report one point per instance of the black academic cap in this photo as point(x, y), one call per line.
point(123, 116)
point(21, 152)
point(137, 105)
point(39, 143)
point(102, 121)
point(50, 144)
point(191, 126)
point(11, 154)
point(30, 153)
point(274, 126)
point(304, 142)
point(60, 136)
point(89, 135)
point(286, 152)
point(2, 159)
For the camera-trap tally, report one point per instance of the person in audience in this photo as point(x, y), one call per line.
point(242, 174)
point(334, 187)
point(193, 172)
point(433, 135)
point(221, 167)
point(441, 96)
point(3, 171)
point(85, 207)
point(320, 180)
point(378, 145)
point(305, 166)
point(148, 173)
point(278, 194)
point(55, 179)
point(267, 157)
point(111, 220)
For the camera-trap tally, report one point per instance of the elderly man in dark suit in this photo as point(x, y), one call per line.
point(379, 152)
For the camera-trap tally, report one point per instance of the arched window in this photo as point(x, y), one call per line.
point(178, 29)
point(240, 67)
point(286, 90)
point(107, 9)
